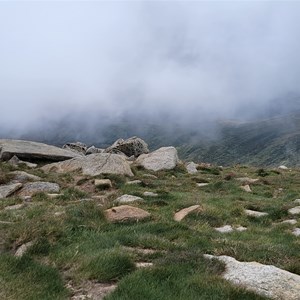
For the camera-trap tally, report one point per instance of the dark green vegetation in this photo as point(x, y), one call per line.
point(74, 244)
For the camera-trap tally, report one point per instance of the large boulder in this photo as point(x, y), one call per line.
point(164, 158)
point(31, 188)
point(93, 165)
point(133, 146)
point(76, 147)
point(33, 151)
point(265, 280)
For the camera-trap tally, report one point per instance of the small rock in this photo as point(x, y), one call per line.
point(31, 188)
point(133, 182)
point(76, 147)
point(13, 207)
point(256, 214)
point(247, 180)
point(297, 201)
point(104, 183)
point(59, 213)
point(246, 188)
point(296, 232)
point(15, 161)
point(291, 221)
point(27, 198)
point(128, 199)
point(93, 150)
point(150, 176)
point(125, 213)
point(143, 265)
point(201, 184)
point(283, 167)
point(54, 196)
point(184, 212)
point(22, 176)
point(150, 194)
point(8, 189)
point(191, 168)
point(224, 229)
point(295, 210)
point(22, 249)
point(241, 228)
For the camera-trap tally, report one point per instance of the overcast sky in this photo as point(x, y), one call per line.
point(189, 59)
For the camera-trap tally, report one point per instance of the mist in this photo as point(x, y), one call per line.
point(90, 64)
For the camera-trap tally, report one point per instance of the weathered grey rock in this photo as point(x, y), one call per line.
point(15, 161)
point(247, 180)
point(180, 215)
point(134, 182)
point(150, 176)
point(191, 168)
point(224, 229)
point(295, 210)
point(76, 147)
point(150, 194)
point(291, 221)
point(8, 189)
point(246, 188)
point(32, 151)
point(132, 146)
point(297, 201)
point(31, 188)
point(128, 199)
point(164, 158)
point(54, 195)
point(125, 213)
point(283, 167)
point(296, 232)
point(103, 183)
point(265, 280)
point(23, 249)
point(22, 176)
point(93, 165)
point(256, 214)
point(93, 150)
point(241, 228)
point(140, 265)
point(202, 184)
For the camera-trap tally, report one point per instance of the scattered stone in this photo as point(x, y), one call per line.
point(247, 180)
point(191, 168)
point(8, 189)
point(32, 151)
point(295, 210)
point(128, 199)
point(133, 182)
point(132, 146)
point(201, 184)
point(241, 228)
point(22, 176)
point(59, 213)
point(22, 249)
point(93, 150)
point(126, 213)
point(256, 214)
point(15, 161)
point(140, 265)
point(93, 165)
point(297, 201)
point(265, 280)
point(186, 211)
point(150, 194)
point(104, 183)
point(283, 167)
point(164, 158)
point(246, 188)
point(291, 221)
point(76, 147)
point(54, 196)
point(31, 188)
point(150, 176)
point(224, 229)
point(14, 207)
point(296, 232)
point(27, 198)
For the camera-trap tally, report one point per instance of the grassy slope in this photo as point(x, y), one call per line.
point(79, 245)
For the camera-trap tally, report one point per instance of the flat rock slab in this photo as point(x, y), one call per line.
point(31, 188)
point(265, 280)
point(254, 213)
point(128, 199)
point(191, 168)
point(224, 229)
point(150, 194)
point(22, 176)
point(32, 151)
point(8, 189)
point(246, 180)
point(93, 165)
point(294, 210)
point(164, 158)
point(125, 213)
point(103, 183)
point(201, 184)
point(134, 182)
point(180, 215)
point(290, 221)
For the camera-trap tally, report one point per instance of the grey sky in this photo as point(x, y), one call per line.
point(107, 58)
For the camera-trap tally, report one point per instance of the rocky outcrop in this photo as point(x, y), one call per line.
point(125, 213)
point(31, 188)
point(93, 150)
point(164, 158)
point(265, 280)
point(133, 146)
point(8, 189)
point(76, 147)
point(93, 165)
point(32, 151)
